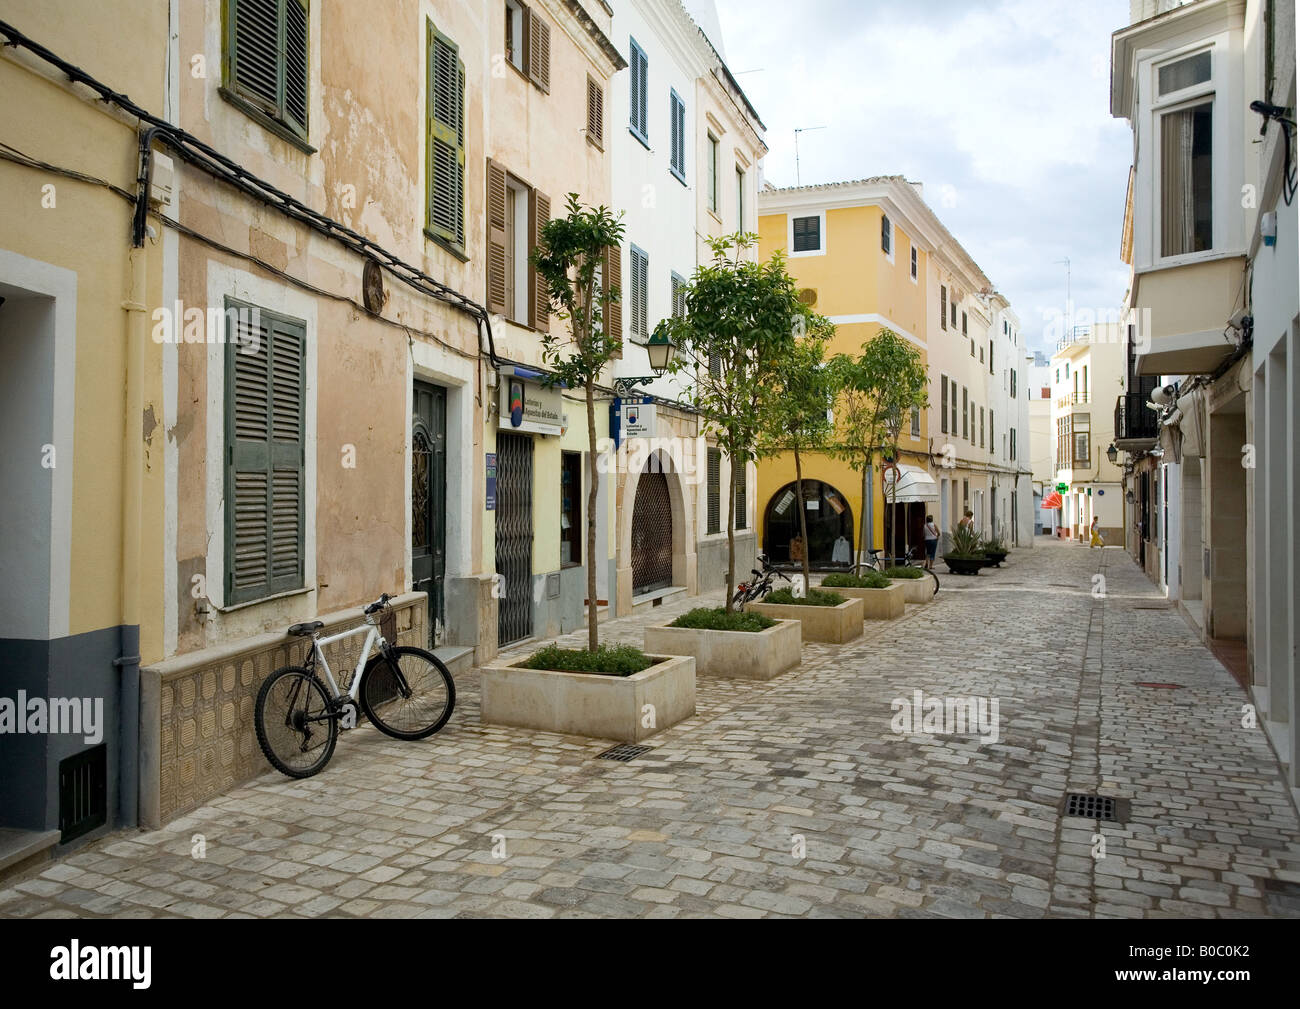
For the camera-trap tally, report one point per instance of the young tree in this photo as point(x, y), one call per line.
point(570, 259)
point(741, 321)
point(797, 417)
point(877, 389)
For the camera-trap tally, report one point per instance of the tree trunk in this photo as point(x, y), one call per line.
point(731, 529)
point(803, 519)
point(593, 630)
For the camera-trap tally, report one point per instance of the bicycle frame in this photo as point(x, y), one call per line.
point(318, 655)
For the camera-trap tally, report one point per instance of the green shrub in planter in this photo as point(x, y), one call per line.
point(610, 660)
point(893, 574)
point(965, 543)
point(815, 597)
point(870, 580)
point(703, 618)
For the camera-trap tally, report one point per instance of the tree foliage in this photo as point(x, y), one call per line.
point(878, 389)
point(742, 319)
point(570, 259)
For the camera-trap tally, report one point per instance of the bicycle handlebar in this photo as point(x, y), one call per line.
point(378, 604)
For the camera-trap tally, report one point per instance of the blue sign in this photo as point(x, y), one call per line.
point(491, 496)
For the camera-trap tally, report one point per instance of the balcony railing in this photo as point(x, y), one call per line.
point(1134, 421)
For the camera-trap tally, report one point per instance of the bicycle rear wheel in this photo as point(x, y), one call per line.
point(407, 693)
point(295, 724)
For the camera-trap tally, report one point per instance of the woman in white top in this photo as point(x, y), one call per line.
point(931, 542)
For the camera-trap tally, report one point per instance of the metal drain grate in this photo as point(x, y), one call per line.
point(624, 752)
point(1091, 807)
point(1158, 686)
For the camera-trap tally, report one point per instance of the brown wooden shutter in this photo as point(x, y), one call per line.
point(612, 279)
point(595, 112)
point(539, 52)
point(496, 238)
point(539, 302)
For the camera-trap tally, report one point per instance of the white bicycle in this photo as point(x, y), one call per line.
point(406, 692)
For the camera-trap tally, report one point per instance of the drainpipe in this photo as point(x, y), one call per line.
point(128, 662)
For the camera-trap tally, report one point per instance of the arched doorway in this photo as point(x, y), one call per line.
point(829, 520)
point(652, 534)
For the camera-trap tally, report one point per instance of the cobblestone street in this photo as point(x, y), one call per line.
point(710, 822)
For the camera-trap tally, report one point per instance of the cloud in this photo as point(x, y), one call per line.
point(1004, 101)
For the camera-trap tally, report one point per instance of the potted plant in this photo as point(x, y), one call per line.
point(741, 644)
point(918, 586)
point(881, 598)
point(995, 549)
point(823, 616)
point(612, 692)
point(965, 557)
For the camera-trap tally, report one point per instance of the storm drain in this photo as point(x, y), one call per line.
point(624, 752)
point(1091, 807)
point(1157, 686)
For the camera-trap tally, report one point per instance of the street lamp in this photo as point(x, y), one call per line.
point(1112, 453)
point(661, 351)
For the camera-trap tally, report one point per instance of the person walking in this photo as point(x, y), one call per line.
point(968, 519)
point(931, 542)
point(1095, 535)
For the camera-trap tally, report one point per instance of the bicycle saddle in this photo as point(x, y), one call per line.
point(306, 630)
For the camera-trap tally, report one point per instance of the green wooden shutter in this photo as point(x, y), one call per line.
point(445, 129)
point(267, 58)
point(265, 439)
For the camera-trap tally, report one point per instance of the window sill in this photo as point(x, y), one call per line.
point(266, 121)
point(714, 215)
point(642, 140)
point(446, 246)
point(565, 566)
point(264, 599)
point(595, 143)
point(679, 178)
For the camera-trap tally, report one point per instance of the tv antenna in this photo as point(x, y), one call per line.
point(798, 130)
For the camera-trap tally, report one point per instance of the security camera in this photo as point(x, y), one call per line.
point(1164, 396)
point(1268, 110)
point(1240, 319)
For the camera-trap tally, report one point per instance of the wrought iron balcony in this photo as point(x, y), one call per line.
point(1135, 422)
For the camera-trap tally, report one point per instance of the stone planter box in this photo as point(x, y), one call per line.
point(917, 591)
point(834, 624)
point(878, 604)
point(996, 557)
point(590, 704)
point(744, 655)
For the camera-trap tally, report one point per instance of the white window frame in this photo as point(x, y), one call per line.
point(520, 31)
point(821, 233)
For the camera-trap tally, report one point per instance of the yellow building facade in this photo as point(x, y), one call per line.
point(871, 255)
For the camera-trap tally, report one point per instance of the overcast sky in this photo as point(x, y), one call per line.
point(1000, 107)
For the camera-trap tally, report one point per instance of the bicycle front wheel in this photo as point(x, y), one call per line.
point(408, 693)
point(295, 725)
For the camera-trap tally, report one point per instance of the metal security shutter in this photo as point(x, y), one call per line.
point(264, 455)
point(445, 129)
point(514, 537)
point(267, 59)
point(652, 535)
point(742, 501)
point(714, 516)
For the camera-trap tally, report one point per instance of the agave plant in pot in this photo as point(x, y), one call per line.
point(965, 556)
point(995, 549)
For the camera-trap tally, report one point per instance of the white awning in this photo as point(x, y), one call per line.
point(914, 485)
